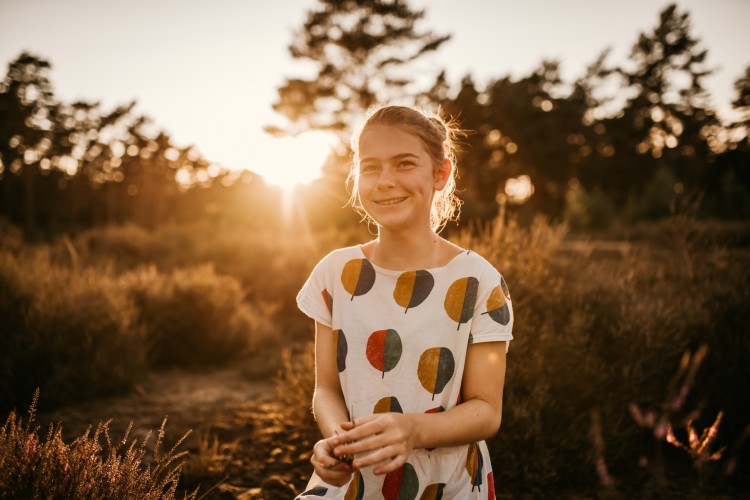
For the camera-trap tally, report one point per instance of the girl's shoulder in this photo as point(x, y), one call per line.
point(341, 256)
point(476, 262)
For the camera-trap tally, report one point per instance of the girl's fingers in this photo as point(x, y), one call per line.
point(386, 460)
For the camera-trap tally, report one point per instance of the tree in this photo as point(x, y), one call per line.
point(361, 49)
point(27, 110)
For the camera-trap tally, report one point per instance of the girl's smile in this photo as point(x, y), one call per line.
point(397, 179)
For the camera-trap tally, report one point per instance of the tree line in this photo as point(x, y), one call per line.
point(622, 142)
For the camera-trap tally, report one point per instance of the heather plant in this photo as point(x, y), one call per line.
point(32, 466)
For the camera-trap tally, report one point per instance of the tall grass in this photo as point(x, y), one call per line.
point(75, 335)
point(596, 334)
point(79, 329)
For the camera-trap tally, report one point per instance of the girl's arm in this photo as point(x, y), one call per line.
point(329, 409)
point(390, 437)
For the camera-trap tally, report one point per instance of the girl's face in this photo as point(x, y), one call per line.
point(397, 178)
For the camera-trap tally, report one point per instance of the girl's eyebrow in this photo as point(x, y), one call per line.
point(395, 157)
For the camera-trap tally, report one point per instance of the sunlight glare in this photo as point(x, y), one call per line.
point(292, 161)
point(519, 189)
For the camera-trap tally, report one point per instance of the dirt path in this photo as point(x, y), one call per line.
point(241, 445)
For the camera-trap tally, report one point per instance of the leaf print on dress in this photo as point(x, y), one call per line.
point(387, 404)
point(412, 288)
point(504, 286)
point(358, 276)
point(474, 464)
point(497, 306)
point(339, 339)
point(384, 350)
point(356, 489)
point(328, 299)
point(317, 491)
point(401, 484)
point(435, 369)
point(434, 492)
point(461, 299)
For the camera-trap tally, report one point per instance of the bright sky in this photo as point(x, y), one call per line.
point(207, 71)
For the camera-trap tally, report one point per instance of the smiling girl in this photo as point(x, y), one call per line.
point(411, 331)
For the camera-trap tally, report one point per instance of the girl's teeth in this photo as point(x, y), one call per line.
point(392, 202)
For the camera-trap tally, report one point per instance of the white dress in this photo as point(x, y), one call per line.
point(401, 342)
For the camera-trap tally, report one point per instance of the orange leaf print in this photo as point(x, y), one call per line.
point(328, 300)
point(358, 276)
point(461, 299)
point(401, 484)
point(384, 350)
point(412, 288)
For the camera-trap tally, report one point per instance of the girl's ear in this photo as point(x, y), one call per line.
point(442, 174)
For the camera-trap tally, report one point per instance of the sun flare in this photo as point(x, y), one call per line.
point(292, 161)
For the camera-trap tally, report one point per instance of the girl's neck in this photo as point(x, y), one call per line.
point(409, 250)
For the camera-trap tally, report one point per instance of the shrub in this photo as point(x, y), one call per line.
point(593, 336)
point(72, 334)
point(36, 467)
point(192, 317)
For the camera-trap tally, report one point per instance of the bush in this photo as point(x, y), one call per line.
point(36, 467)
point(72, 334)
point(193, 317)
point(593, 337)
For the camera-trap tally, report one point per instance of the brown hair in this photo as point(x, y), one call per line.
point(439, 137)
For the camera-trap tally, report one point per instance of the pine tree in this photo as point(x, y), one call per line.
point(361, 49)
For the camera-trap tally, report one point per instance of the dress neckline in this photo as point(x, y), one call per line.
point(395, 272)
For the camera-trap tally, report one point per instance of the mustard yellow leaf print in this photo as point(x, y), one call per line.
point(435, 369)
point(461, 299)
point(388, 404)
point(497, 306)
point(358, 276)
point(474, 464)
point(356, 489)
point(412, 288)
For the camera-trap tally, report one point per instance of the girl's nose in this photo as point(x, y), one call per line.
point(386, 179)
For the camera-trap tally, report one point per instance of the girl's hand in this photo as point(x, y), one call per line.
point(387, 439)
point(330, 469)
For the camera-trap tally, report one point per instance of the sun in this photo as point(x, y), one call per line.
point(288, 162)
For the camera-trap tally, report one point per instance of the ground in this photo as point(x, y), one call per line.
point(242, 444)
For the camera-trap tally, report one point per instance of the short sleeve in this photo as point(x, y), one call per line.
point(314, 299)
point(493, 314)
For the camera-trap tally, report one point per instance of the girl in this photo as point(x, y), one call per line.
point(411, 331)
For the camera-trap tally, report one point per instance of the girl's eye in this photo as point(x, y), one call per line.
point(406, 164)
point(367, 168)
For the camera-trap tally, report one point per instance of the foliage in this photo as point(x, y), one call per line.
point(362, 51)
point(75, 334)
point(191, 311)
point(35, 467)
point(596, 334)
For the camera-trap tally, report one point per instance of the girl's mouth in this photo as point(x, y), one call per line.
point(391, 201)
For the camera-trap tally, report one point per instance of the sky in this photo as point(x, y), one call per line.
point(207, 71)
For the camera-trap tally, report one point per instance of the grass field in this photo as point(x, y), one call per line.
point(617, 336)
